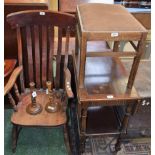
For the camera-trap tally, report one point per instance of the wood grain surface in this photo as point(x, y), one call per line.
point(9, 65)
point(43, 119)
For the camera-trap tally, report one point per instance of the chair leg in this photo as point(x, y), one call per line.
point(15, 133)
point(66, 139)
point(14, 137)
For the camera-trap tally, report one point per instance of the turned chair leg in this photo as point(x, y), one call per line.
point(14, 137)
point(15, 133)
point(66, 139)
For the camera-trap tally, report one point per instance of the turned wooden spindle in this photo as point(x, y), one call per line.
point(49, 86)
point(32, 88)
point(52, 105)
point(17, 92)
point(12, 101)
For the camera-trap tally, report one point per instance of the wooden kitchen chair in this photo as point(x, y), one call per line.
point(36, 44)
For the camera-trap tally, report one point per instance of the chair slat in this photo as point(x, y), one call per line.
point(20, 58)
point(51, 52)
point(39, 45)
point(44, 55)
point(37, 55)
point(58, 59)
point(66, 47)
point(29, 53)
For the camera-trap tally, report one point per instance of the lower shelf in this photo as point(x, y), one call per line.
point(102, 120)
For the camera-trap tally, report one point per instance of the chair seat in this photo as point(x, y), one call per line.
point(21, 117)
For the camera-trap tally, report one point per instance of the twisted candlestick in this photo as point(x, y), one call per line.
point(33, 108)
point(52, 105)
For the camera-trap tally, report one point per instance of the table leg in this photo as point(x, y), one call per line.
point(116, 46)
point(83, 119)
point(123, 127)
point(76, 44)
point(83, 50)
point(140, 51)
point(83, 128)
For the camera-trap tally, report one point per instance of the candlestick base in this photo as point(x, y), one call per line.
point(34, 109)
point(52, 107)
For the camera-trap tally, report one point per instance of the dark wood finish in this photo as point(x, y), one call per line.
point(58, 58)
point(37, 55)
point(17, 92)
point(13, 77)
point(10, 45)
point(12, 74)
point(14, 137)
point(140, 121)
point(51, 53)
point(140, 51)
point(20, 58)
point(68, 83)
point(116, 46)
point(111, 54)
point(101, 76)
point(42, 119)
point(44, 55)
point(67, 48)
point(38, 45)
point(29, 53)
point(70, 7)
point(101, 125)
point(144, 19)
point(99, 84)
point(12, 101)
point(9, 65)
point(64, 19)
point(33, 108)
point(104, 76)
point(97, 29)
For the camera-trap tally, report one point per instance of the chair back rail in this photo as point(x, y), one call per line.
point(35, 39)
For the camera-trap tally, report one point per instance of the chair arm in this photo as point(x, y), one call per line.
point(68, 83)
point(12, 79)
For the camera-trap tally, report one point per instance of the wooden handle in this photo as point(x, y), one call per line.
point(68, 83)
point(12, 79)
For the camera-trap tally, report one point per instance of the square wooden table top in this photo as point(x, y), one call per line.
point(97, 17)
